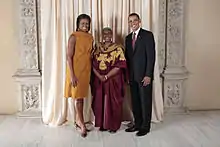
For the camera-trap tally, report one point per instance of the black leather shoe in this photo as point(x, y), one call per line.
point(112, 131)
point(142, 132)
point(102, 129)
point(131, 129)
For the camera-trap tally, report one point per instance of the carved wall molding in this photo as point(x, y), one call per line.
point(162, 34)
point(28, 34)
point(31, 96)
point(172, 54)
point(28, 76)
point(175, 32)
point(173, 93)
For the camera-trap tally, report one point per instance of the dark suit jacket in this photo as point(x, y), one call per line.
point(141, 59)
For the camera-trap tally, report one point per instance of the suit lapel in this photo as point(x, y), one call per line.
point(130, 43)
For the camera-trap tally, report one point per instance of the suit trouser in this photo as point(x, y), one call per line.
point(141, 104)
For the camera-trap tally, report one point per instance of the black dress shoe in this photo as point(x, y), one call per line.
point(142, 132)
point(112, 131)
point(131, 129)
point(102, 129)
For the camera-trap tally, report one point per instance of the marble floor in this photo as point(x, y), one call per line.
point(196, 129)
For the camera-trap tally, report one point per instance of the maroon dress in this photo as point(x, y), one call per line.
point(108, 95)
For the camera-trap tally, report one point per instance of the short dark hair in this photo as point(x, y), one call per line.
point(80, 17)
point(134, 14)
point(107, 28)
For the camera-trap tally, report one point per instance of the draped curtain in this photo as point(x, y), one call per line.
point(58, 21)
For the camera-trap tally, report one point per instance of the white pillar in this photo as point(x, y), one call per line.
point(172, 53)
point(28, 76)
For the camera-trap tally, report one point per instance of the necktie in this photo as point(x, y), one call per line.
point(133, 40)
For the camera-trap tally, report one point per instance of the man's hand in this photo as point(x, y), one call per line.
point(146, 81)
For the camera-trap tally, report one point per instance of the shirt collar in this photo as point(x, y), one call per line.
point(137, 31)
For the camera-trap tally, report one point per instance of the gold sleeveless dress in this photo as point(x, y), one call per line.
point(82, 67)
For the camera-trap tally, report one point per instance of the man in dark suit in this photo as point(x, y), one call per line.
point(140, 56)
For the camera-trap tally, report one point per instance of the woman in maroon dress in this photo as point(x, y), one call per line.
point(108, 83)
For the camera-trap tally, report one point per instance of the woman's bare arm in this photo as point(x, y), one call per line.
point(70, 56)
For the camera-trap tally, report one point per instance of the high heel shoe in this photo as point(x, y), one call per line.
point(83, 132)
point(78, 127)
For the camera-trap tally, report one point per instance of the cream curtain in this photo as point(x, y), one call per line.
point(58, 19)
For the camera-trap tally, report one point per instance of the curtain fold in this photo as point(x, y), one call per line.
point(58, 21)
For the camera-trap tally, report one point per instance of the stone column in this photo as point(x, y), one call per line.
point(172, 53)
point(28, 76)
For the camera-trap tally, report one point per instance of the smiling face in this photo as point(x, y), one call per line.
point(107, 35)
point(84, 25)
point(134, 22)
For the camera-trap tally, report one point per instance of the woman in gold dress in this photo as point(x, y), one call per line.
point(79, 67)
